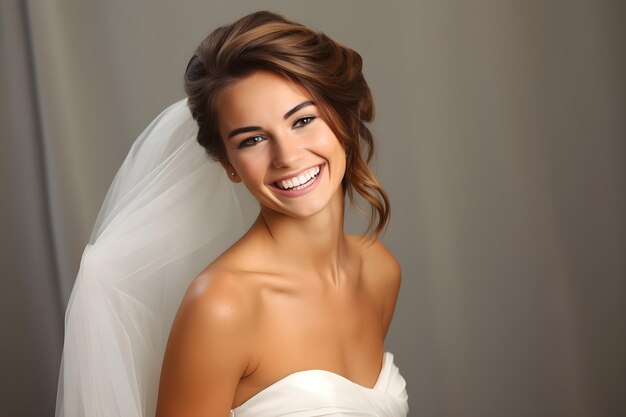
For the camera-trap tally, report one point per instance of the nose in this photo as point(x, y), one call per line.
point(287, 151)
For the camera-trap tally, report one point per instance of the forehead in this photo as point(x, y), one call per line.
point(261, 96)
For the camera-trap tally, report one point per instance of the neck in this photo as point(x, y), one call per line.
point(316, 243)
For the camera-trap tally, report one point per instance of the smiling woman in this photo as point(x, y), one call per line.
point(291, 319)
point(287, 142)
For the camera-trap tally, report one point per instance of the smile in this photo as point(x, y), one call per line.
point(300, 184)
point(302, 180)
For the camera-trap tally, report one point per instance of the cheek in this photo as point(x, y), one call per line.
point(252, 168)
point(326, 139)
point(333, 150)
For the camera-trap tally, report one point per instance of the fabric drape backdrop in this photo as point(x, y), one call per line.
point(501, 141)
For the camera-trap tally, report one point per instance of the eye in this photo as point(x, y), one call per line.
point(251, 141)
point(303, 121)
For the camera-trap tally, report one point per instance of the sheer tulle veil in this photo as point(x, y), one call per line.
point(168, 213)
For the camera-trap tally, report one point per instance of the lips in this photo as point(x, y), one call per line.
point(295, 175)
point(301, 180)
point(303, 187)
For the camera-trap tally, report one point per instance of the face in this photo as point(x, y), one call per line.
point(278, 145)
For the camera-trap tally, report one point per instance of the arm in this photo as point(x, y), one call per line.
point(207, 351)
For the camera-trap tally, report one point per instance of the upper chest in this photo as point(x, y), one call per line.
point(306, 322)
point(305, 298)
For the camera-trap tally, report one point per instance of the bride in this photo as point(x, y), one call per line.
point(290, 320)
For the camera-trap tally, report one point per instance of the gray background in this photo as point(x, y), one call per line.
point(501, 141)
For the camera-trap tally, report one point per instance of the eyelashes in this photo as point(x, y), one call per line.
point(298, 123)
point(250, 142)
point(301, 121)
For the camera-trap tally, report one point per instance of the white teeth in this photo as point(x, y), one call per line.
point(299, 180)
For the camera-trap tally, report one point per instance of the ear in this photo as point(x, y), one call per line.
point(230, 171)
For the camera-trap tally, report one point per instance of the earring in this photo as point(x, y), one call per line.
point(232, 173)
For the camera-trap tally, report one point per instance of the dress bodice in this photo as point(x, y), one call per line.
point(314, 393)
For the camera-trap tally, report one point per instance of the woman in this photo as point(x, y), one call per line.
point(291, 319)
point(282, 108)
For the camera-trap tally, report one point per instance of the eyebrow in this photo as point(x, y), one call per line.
point(298, 107)
point(245, 129)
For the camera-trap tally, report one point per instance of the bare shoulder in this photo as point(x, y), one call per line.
point(221, 294)
point(378, 262)
point(382, 274)
point(209, 346)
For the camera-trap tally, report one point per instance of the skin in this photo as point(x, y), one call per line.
point(295, 292)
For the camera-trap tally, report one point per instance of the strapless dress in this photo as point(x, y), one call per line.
point(315, 392)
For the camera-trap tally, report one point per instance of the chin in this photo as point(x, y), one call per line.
point(305, 212)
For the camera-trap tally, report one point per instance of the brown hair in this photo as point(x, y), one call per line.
point(330, 72)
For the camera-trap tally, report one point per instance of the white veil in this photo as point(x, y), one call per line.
point(169, 212)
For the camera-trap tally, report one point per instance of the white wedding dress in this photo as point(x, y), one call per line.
point(317, 393)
